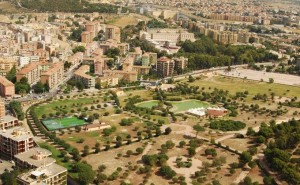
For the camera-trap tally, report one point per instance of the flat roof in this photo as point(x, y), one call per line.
point(7, 118)
point(29, 67)
point(28, 157)
point(16, 134)
point(48, 171)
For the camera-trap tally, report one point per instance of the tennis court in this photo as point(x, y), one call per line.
point(67, 122)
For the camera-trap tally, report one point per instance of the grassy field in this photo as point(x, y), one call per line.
point(52, 107)
point(131, 19)
point(148, 104)
point(234, 85)
point(54, 124)
point(182, 106)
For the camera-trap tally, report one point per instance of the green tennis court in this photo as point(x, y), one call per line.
point(67, 122)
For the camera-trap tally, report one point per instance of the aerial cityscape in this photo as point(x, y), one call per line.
point(150, 92)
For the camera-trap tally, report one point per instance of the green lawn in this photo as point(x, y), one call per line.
point(181, 106)
point(148, 104)
point(52, 106)
point(54, 124)
point(178, 106)
point(234, 85)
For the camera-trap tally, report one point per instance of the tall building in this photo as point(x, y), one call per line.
point(31, 72)
point(53, 75)
point(2, 108)
point(180, 63)
point(99, 66)
point(80, 75)
point(86, 37)
point(165, 67)
point(7, 88)
point(113, 32)
point(14, 141)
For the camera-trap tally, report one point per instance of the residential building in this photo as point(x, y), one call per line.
point(165, 67)
point(2, 108)
point(34, 158)
point(31, 71)
point(5, 65)
point(54, 75)
point(86, 37)
point(108, 81)
point(49, 175)
point(180, 63)
point(15, 140)
point(7, 88)
point(80, 75)
point(7, 121)
point(130, 76)
point(113, 32)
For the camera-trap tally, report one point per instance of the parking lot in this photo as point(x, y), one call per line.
point(262, 75)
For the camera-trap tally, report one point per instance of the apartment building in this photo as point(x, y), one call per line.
point(14, 141)
point(108, 81)
point(49, 175)
point(165, 66)
point(113, 32)
point(130, 76)
point(54, 75)
point(31, 72)
point(86, 37)
point(98, 66)
point(7, 88)
point(7, 122)
point(180, 63)
point(6, 65)
point(167, 35)
point(34, 158)
point(2, 108)
point(80, 75)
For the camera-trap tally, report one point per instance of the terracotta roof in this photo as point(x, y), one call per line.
point(5, 82)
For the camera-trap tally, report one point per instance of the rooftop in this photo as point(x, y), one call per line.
point(37, 157)
point(5, 82)
point(43, 172)
point(54, 68)
point(29, 67)
point(16, 134)
point(7, 118)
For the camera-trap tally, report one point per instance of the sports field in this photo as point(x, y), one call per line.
point(67, 122)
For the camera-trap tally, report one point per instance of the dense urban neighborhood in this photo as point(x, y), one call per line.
point(149, 92)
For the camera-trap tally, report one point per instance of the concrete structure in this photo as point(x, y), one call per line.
point(49, 175)
point(54, 75)
point(14, 141)
point(31, 72)
point(113, 32)
point(165, 67)
point(171, 36)
point(2, 108)
point(7, 88)
point(5, 65)
point(80, 75)
point(199, 112)
point(7, 122)
point(34, 158)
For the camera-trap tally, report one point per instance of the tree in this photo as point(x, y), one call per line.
point(22, 86)
point(168, 130)
point(245, 157)
point(191, 151)
point(167, 172)
point(10, 178)
point(271, 80)
point(78, 49)
point(139, 150)
point(39, 87)
point(191, 78)
point(97, 147)
point(85, 172)
point(198, 128)
point(86, 150)
point(11, 75)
